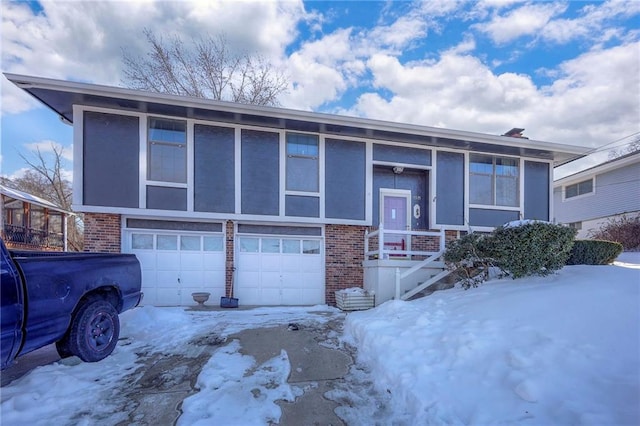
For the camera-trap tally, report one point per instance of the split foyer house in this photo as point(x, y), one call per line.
point(588, 199)
point(284, 206)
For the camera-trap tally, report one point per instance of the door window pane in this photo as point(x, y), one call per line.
point(249, 245)
point(270, 245)
point(189, 243)
point(291, 246)
point(142, 242)
point(167, 242)
point(213, 244)
point(311, 247)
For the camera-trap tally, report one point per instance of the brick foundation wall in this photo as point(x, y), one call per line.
point(102, 232)
point(344, 254)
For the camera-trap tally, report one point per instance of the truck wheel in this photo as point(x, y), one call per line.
point(94, 331)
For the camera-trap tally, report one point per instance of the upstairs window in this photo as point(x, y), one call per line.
point(302, 162)
point(167, 150)
point(494, 181)
point(580, 188)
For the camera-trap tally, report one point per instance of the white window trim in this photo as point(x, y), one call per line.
point(578, 197)
point(520, 206)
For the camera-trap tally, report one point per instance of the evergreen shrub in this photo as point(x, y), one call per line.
point(518, 250)
point(594, 252)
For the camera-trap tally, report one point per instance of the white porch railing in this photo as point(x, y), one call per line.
point(380, 252)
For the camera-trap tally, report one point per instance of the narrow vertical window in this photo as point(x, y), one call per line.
point(167, 150)
point(302, 162)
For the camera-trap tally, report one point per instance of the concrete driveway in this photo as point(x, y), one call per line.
point(153, 393)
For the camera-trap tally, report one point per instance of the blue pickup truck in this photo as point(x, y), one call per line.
point(72, 299)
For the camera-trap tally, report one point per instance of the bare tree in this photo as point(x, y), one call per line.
point(633, 146)
point(46, 181)
point(207, 69)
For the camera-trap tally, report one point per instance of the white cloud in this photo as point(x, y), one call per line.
point(84, 40)
point(528, 19)
point(593, 101)
point(46, 147)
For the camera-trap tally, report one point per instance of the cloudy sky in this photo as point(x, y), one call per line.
point(566, 71)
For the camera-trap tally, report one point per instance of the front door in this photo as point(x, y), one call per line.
point(395, 212)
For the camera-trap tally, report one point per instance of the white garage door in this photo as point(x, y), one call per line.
point(279, 271)
point(176, 264)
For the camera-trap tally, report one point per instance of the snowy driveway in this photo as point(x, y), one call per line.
point(201, 367)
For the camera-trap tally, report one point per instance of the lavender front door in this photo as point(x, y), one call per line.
point(395, 216)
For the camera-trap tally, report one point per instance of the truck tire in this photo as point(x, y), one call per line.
point(93, 333)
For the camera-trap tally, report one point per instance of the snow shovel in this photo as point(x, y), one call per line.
point(230, 302)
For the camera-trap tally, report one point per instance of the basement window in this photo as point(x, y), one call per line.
point(577, 189)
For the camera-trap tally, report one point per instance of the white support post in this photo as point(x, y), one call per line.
point(397, 283)
point(381, 242)
point(366, 244)
point(442, 239)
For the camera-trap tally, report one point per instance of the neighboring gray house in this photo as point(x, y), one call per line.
point(587, 199)
point(284, 205)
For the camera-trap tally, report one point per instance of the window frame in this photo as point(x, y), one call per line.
point(301, 190)
point(183, 145)
point(578, 193)
point(495, 203)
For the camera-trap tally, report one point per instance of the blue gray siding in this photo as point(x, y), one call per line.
point(399, 154)
point(450, 188)
point(164, 198)
point(536, 190)
point(214, 174)
point(260, 172)
point(492, 218)
point(110, 159)
point(616, 192)
point(302, 206)
point(345, 179)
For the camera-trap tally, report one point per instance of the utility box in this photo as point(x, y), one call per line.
point(354, 299)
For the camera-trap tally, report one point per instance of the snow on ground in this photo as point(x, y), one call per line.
point(563, 349)
point(70, 392)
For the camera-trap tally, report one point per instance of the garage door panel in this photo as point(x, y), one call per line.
point(270, 296)
point(290, 263)
point(168, 261)
point(213, 261)
point(292, 297)
point(167, 297)
point(291, 280)
point(191, 278)
point(249, 262)
point(147, 259)
point(191, 261)
point(270, 262)
point(175, 264)
point(312, 297)
point(287, 276)
point(310, 263)
point(270, 279)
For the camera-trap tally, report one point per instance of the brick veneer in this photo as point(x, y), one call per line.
point(344, 254)
point(102, 232)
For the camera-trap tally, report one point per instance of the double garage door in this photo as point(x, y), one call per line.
point(270, 270)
